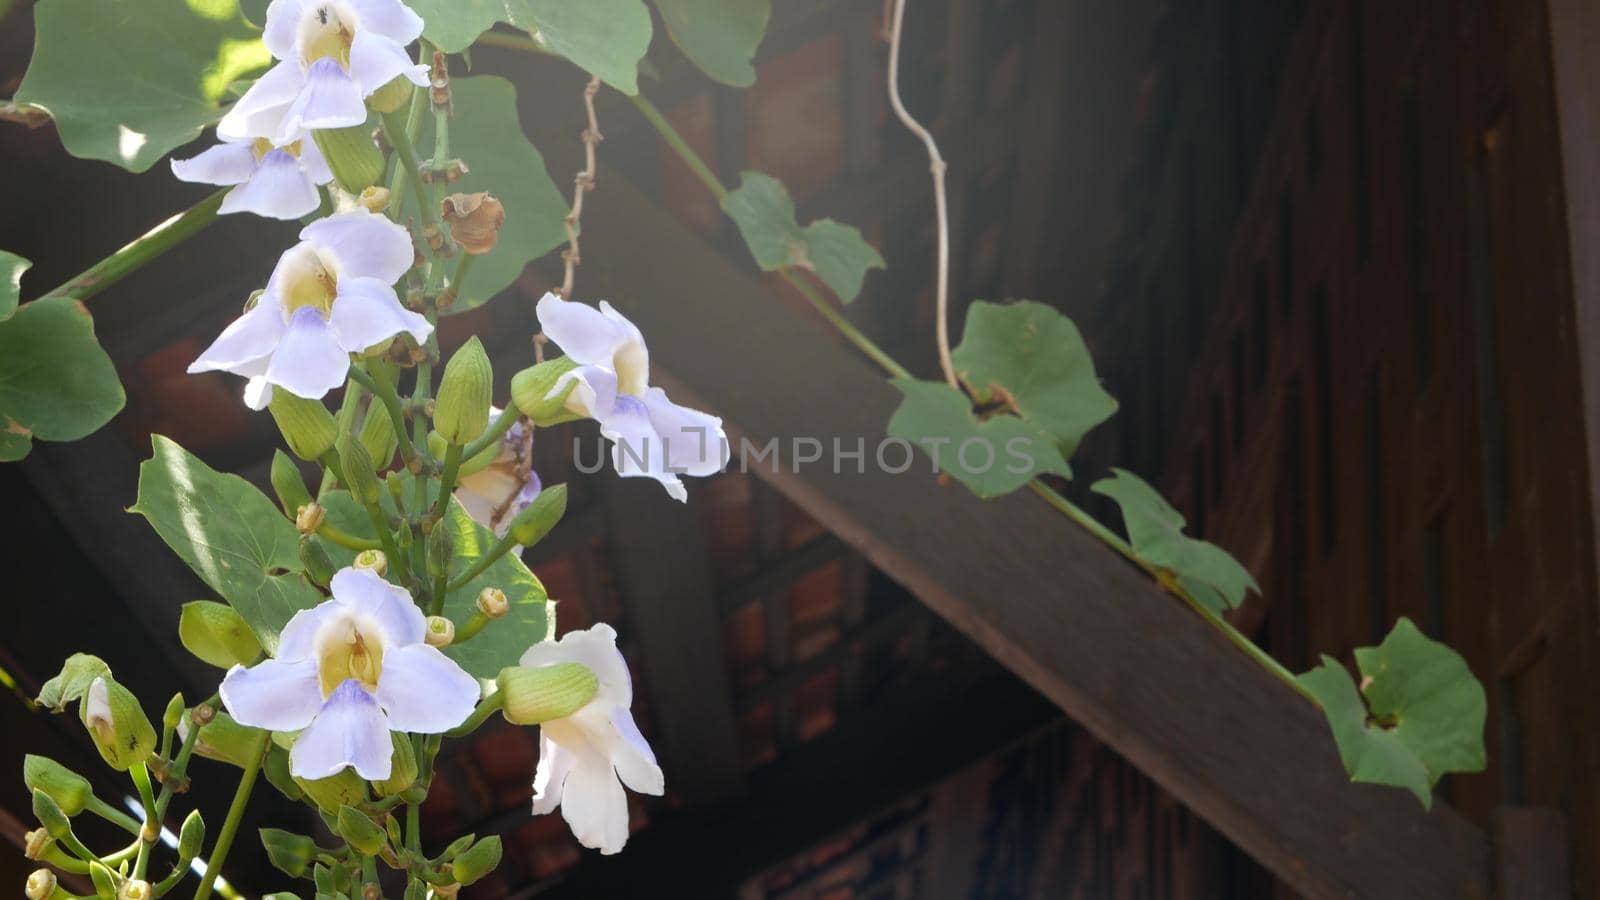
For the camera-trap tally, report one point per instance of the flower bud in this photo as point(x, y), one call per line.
point(530, 391)
point(69, 790)
point(48, 812)
point(308, 428)
point(474, 221)
point(478, 861)
point(373, 561)
point(36, 842)
point(374, 199)
point(461, 412)
point(290, 853)
point(192, 836)
point(118, 725)
point(343, 789)
point(352, 157)
point(393, 95)
point(218, 635)
point(492, 602)
point(41, 885)
point(318, 565)
point(360, 832)
point(377, 435)
point(441, 547)
point(287, 483)
point(173, 715)
point(546, 693)
point(105, 882)
point(532, 524)
point(309, 517)
point(439, 632)
point(135, 889)
point(359, 476)
point(225, 740)
point(402, 767)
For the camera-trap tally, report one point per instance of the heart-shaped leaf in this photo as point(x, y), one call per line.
point(764, 212)
point(603, 37)
point(56, 382)
point(1155, 529)
point(230, 534)
point(1417, 716)
point(992, 458)
point(1031, 359)
point(127, 81)
point(719, 36)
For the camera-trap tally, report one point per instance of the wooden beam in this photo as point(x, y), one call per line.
point(1040, 595)
point(1530, 854)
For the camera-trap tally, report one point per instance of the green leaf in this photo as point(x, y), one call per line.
point(1418, 715)
point(231, 534)
point(11, 268)
point(127, 81)
point(1155, 529)
point(503, 641)
point(1031, 359)
point(77, 673)
point(764, 212)
point(719, 36)
point(603, 37)
point(991, 458)
point(56, 383)
point(488, 136)
point(454, 24)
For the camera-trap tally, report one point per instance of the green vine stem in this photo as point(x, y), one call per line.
point(395, 128)
point(230, 825)
point(152, 826)
point(141, 250)
point(384, 393)
point(486, 708)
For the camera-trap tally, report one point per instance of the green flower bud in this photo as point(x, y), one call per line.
point(373, 561)
point(216, 634)
point(174, 712)
point(308, 428)
point(402, 767)
point(319, 566)
point(360, 832)
point(415, 890)
point(353, 158)
point(377, 435)
point(48, 812)
point(192, 836)
point(121, 731)
point(477, 862)
point(77, 673)
point(324, 879)
point(287, 483)
point(335, 791)
point(455, 849)
point(359, 475)
point(472, 464)
point(69, 790)
point(225, 740)
point(441, 547)
point(439, 632)
point(135, 889)
point(42, 886)
point(276, 768)
point(461, 412)
point(391, 96)
point(531, 387)
point(547, 693)
point(532, 524)
point(292, 854)
point(105, 881)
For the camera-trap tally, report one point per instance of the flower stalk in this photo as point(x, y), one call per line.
point(230, 825)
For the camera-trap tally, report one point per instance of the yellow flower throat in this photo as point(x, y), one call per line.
point(351, 653)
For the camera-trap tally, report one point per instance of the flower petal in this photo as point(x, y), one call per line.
point(257, 392)
point(309, 361)
point(595, 806)
point(228, 163)
point(260, 112)
point(367, 312)
point(248, 338)
point(361, 244)
point(279, 695)
point(349, 730)
point(595, 648)
point(298, 639)
point(279, 189)
point(423, 691)
point(594, 393)
point(583, 332)
point(282, 27)
point(330, 98)
point(389, 18)
point(313, 162)
point(375, 61)
point(694, 442)
point(634, 760)
point(550, 776)
point(638, 451)
point(364, 592)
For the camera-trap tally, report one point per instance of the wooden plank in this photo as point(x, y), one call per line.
point(658, 555)
point(1530, 854)
point(1041, 596)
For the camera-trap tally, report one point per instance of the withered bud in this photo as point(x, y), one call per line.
point(36, 842)
point(492, 602)
point(308, 518)
point(474, 220)
point(374, 199)
point(372, 561)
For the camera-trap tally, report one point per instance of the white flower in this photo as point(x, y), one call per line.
point(586, 758)
point(329, 296)
point(349, 671)
point(653, 436)
point(279, 182)
point(495, 494)
point(333, 55)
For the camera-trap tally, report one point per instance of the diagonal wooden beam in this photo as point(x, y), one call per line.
point(1041, 596)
